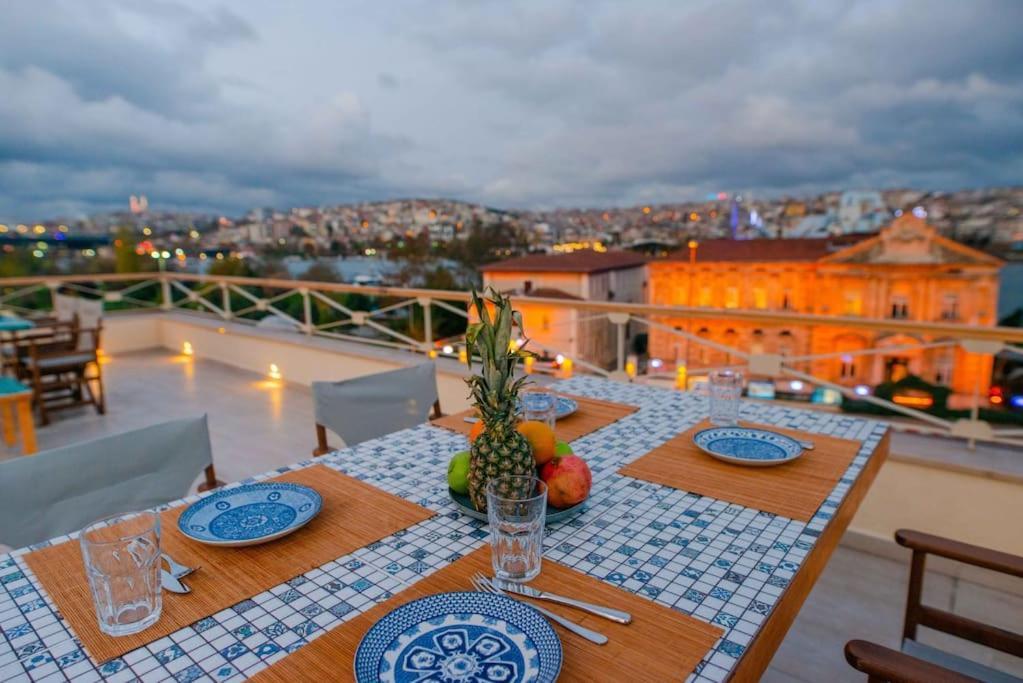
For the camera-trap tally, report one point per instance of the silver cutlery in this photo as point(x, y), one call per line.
point(807, 445)
point(530, 592)
point(170, 583)
point(484, 585)
point(471, 420)
point(177, 570)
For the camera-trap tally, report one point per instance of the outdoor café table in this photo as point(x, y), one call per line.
point(741, 569)
point(11, 324)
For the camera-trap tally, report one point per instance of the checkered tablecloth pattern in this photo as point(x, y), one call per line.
point(720, 562)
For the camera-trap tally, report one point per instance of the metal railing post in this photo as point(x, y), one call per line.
point(225, 300)
point(165, 292)
point(307, 310)
point(426, 303)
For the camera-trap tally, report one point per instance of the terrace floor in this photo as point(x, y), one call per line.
point(257, 425)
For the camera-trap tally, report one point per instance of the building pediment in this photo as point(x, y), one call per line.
point(908, 240)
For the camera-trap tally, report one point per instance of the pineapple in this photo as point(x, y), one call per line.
point(500, 449)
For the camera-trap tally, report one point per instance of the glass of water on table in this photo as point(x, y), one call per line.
point(538, 403)
point(122, 562)
point(725, 389)
point(516, 510)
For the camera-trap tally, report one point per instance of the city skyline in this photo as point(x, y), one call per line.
point(525, 106)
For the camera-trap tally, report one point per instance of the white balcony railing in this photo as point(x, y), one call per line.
point(406, 318)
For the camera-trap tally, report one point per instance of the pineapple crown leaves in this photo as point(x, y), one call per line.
point(495, 389)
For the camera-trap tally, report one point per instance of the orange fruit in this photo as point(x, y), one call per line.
point(541, 440)
point(477, 429)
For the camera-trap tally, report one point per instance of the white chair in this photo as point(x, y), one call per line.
point(89, 314)
point(62, 490)
point(366, 407)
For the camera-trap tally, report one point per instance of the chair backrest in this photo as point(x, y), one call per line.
point(367, 407)
point(89, 312)
point(61, 490)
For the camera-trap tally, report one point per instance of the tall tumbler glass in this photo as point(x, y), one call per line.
point(538, 403)
point(516, 509)
point(122, 562)
point(725, 390)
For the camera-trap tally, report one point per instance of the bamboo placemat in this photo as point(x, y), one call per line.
point(795, 489)
point(354, 514)
point(660, 644)
point(591, 416)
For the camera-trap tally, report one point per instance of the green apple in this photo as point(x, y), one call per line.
point(458, 472)
point(562, 448)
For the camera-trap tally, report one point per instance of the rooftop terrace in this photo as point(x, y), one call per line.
point(258, 425)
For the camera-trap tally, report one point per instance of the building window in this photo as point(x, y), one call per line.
point(950, 307)
point(848, 368)
point(853, 303)
point(757, 345)
point(545, 323)
point(785, 343)
point(786, 300)
point(732, 297)
point(760, 297)
point(527, 286)
point(899, 308)
point(943, 364)
point(704, 294)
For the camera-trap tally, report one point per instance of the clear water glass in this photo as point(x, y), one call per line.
point(122, 562)
point(538, 403)
point(516, 526)
point(725, 390)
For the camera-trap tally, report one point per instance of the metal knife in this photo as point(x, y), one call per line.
point(530, 592)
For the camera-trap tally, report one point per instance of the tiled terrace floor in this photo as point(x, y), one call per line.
point(256, 426)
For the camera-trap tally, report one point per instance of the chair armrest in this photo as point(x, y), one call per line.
point(882, 663)
point(975, 555)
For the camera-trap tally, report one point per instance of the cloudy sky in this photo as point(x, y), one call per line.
point(224, 106)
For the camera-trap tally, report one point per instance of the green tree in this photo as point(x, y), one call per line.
point(126, 260)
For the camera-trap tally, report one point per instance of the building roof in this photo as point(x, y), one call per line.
point(550, 293)
point(583, 261)
point(801, 249)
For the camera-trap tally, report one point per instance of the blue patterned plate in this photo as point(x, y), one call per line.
point(250, 514)
point(746, 446)
point(460, 637)
point(564, 408)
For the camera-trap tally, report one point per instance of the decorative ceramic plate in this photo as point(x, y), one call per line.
point(553, 514)
point(565, 407)
point(746, 446)
point(250, 514)
point(460, 637)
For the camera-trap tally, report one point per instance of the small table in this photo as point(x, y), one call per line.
point(11, 324)
point(16, 403)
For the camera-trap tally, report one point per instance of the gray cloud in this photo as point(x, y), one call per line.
point(513, 103)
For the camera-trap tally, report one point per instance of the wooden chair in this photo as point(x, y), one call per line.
point(48, 331)
point(66, 374)
point(370, 406)
point(919, 663)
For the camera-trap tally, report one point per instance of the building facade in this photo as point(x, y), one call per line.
point(905, 272)
point(579, 275)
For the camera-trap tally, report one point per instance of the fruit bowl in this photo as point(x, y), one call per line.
point(464, 506)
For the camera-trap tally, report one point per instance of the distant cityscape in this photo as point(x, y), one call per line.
point(374, 242)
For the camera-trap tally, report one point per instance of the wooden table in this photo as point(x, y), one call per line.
point(739, 568)
point(16, 409)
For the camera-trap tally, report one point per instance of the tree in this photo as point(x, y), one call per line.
point(126, 260)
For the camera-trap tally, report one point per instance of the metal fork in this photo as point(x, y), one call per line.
point(484, 585)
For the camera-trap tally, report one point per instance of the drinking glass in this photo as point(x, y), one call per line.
point(516, 509)
point(538, 403)
point(725, 390)
point(122, 561)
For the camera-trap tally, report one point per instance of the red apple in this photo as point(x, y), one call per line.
point(568, 481)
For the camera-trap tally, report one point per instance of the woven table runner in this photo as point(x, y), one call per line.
point(660, 644)
point(591, 416)
point(795, 489)
point(354, 514)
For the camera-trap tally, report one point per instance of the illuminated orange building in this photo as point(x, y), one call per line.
point(905, 272)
